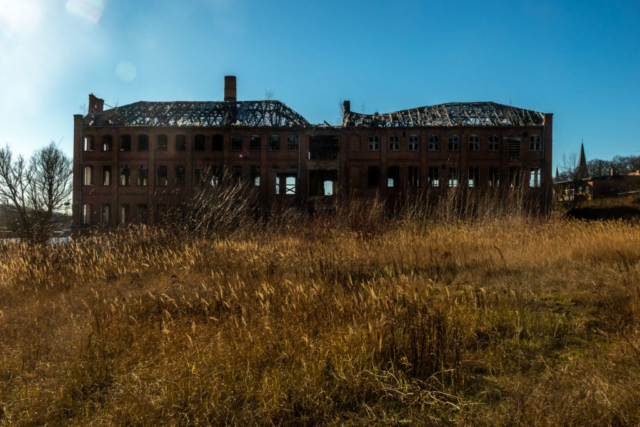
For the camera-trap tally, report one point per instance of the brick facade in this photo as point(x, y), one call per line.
point(306, 164)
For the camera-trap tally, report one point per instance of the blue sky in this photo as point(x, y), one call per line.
point(578, 60)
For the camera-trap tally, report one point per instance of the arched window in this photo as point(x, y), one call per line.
point(454, 143)
point(88, 143)
point(494, 143)
point(474, 143)
point(434, 143)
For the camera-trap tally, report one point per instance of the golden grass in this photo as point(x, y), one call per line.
point(511, 321)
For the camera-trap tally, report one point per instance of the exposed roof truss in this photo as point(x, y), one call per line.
point(199, 114)
point(451, 114)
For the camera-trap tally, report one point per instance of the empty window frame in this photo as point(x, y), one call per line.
point(474, 177)
point(125, 142)
point(199, 176)
point(141, 213)
point(274, 143)
point(286, 184)
point(434, 177)
point(105, 213)
point(88, 143)
point(454, 177)
point(413, 176)
point(292, 143)
point(393, 177)
point(199, 143)
point(514, 149)
point(125, 176)
point(535, 143)
point(143, 142)
point(143, 176)
point(394, 143)
point(474, 143)
point(236, 143)
point(535, 178)
point(106, 175)
point(180, 176)
point(515, 177)
point(181, 143)
point(414, 143)
point(454, 143)
point(434, 143)
point(290, 185)
point(86, 214)
point(324, 147)
point(217, 142)
point(254, 176)
point(494, 177)
point(236, 175)
point(88, 175)
point(374, 143)
point(107, 142)
point(161, 176)
point(254, 143)
point(494, 143)
point(163, 142)
point(216, 176)
point(124, 213)
point(373, 176)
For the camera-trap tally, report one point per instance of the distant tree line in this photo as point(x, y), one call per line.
point(622, 165)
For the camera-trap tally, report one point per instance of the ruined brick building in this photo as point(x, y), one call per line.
point(124, 157)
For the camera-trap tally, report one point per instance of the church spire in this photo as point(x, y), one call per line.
point(582, 171)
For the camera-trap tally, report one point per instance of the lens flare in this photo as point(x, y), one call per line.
point(126, 71)
point(89, 10)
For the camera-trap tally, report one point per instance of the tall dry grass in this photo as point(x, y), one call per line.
point(503, 319)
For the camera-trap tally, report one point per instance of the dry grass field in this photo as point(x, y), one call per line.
point(505, 321)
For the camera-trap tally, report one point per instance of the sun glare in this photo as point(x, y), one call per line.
point(20, 17)
point(89, 10)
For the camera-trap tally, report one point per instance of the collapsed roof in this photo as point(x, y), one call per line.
point(451, 114)
point(199, 114)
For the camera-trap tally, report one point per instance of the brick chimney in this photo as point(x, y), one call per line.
point(96, 105)
point(230, 88)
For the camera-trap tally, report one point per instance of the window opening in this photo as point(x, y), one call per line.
point(143, 142)
point(374, 143)
point(180, 177)
point(254, 143)
point(125, 176)
point(474, 177)
point(414, 143)
point(181, 143)
point(454, 143)
point(393, 177)
point(217, 142)
point(143, 176)
point(414, 176)
point(453, 177)
point(274, 143)
point(474, 143)
point(394, 143)
point(199, 143)
point(434, 143)
point(106, 175)
point(292, 143)
point(373, 178)
point(161, 176)
point(163, 142)
point(125, 142)
point(107, 142)
point(494, 177)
